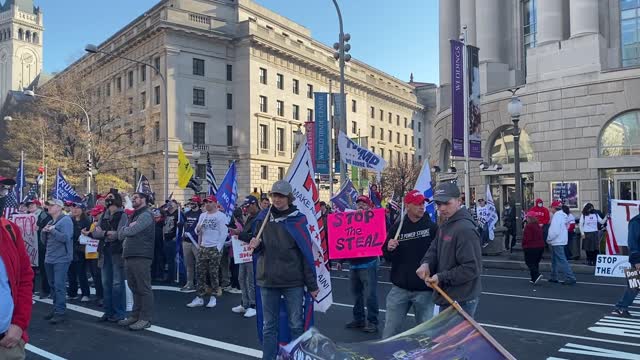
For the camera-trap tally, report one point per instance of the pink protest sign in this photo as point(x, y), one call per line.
point(356, 234)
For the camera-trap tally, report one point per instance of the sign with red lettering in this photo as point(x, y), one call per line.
point(357, 234)
point(241, 251)
point(618, 225)
point(29, 230)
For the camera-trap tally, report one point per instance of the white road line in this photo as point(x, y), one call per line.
point(45, 354)
point(173, 333)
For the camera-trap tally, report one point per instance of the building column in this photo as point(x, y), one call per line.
point(550, 21)
point(449, 29)
point(584, 17)
point(489, 30)
point(468, 19)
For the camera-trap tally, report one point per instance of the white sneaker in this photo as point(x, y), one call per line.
point(85, 299)
point(212, 302)
point(251, 312)
point(198, 301)
point(235, 291)
point(239, 309)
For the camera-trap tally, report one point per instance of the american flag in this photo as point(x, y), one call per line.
point(211, 179)
point(10, 205)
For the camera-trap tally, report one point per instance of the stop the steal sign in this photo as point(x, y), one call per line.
point(357, 234)
point(612, 265)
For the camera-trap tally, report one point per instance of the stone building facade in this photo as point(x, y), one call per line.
point(576, 66)
point(240, 85)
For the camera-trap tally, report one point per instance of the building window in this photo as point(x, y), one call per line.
point(405, 123)
point(372, 110)
point(264, 136)
point(130, 78)
point(530, 26)
point(263, 76)
point(621, 136)
point(109, 89)
point(310, 91)
point(381, 115)
point(309, 114)
point(143, 73)
point(119, 84)
point(406, 140)
point(229, 135)
point(411, 126)
point(156, 95)
point(296, 86)
point(198, 67)
point(382, 153)
point(229, 101)
point(201, 171)
point(280, 173)
point(381, 134)
point(389, 117)
point(264, 172)
point(373, 149)
point(373, 132)
point(198, 132)
point(143, 100)
point(354, 127)
point(263, 104)
point(156, 63)
point(398, 120)
point(156, 130)
point(229, 72)
point(296, 112)
point(502, 147)
point(280, 81)
point(419, 126)
point(280, 107)
point(398, 138)
point(130, 105)
point(419, 143)
point(412, 141)
point(354, 106)
point(629, 32)
point(198, 96)
point(280, 139)
point(390, 135)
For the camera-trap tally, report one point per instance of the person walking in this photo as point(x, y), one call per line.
point(557, 238)
point(138, 241)
point(589, 234)
point(284, 266)
point(58, 235)
point(190, 242)
point(633, 242)
point(454, 258)
point(405, 254)
point(212, 232)
point(533, 246)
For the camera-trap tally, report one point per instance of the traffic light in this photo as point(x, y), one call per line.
point(89, 167)
point(347, 47)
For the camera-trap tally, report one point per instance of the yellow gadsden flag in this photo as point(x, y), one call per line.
point(185, 171)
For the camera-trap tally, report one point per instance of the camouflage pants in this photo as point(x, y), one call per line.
point(208, 264)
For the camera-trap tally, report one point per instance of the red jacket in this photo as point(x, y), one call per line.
point(532, 237)
point(542, 213)
point(15, 258)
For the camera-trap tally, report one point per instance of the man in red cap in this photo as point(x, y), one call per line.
point(190, 241)
point(557, 238)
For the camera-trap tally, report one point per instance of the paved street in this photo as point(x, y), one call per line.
point(550, 321)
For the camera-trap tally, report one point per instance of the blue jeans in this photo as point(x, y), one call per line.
point(271, 310)
point(559, 263)
point(469, 306)
point(365, 281)
point(170, 258)
point(627, 299)
point(399, 301)
point(57, 276)
point(113, 285)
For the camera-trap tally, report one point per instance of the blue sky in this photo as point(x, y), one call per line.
point(396, 37)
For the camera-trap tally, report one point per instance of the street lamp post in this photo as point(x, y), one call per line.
point(93, 49)
point(515, 109)
point(86, 115)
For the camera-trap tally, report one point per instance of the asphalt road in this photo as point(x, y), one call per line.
point(549, 321)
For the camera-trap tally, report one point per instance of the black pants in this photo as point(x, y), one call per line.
point(510, 235)
point(78, 274)
point(592, 256)
point(532, 258)
point(44, 282)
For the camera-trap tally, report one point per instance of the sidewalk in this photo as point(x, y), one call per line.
point(515, 261)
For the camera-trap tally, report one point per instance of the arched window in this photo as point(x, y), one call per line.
point(621, 136)
point(502, 147)
point(20, 34)
point(36, 40)
point(28, 36)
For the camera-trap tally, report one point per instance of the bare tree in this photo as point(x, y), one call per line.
point(398, 179)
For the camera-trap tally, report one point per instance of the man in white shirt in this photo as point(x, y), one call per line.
point(557, 238)
point(212, 232)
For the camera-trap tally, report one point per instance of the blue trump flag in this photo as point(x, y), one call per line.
point(228, 192)
point(346, 197)
point(62, 190)
point(423, 184)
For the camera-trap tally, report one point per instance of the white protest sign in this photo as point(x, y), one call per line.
point(92, 246)
point(29, 231)
point(633, 278)
point(621, 212)
point(611, 265)
point(242, 253)
point(84, 240)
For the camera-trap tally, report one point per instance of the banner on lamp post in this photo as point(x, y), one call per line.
point(475, 123)
point(321, 100)
point(457, 98)
point(310, 133)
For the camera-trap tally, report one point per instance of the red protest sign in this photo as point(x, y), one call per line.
point(356, 234)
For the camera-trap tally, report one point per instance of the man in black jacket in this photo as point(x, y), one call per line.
point(190, 241)
point(454, 257)
point(405, 254)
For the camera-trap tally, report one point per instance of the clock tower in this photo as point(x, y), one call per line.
point(21, 35)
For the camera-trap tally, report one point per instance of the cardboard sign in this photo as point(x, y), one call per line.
point(633, 278)
point(357, 234)
point(611, 265)
point(29, 231)
point(241, 251)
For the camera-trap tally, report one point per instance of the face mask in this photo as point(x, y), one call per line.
point(540, 205)
point(507, 207)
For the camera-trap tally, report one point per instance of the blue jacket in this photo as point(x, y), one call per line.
point(59, 241)
point(634, 240)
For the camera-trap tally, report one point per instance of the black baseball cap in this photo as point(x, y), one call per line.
point(249, 200)
point(446, 191)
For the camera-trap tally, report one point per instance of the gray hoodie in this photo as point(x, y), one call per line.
point(59, 241)
point(139, 236)
point(456, 257)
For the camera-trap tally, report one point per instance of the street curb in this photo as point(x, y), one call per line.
point(544, 266)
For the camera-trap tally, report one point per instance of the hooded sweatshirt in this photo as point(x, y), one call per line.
point(558, 234)
point(456, 257)
point(542, 213)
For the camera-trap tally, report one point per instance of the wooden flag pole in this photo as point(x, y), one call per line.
point(401, 221)
point(473, 323)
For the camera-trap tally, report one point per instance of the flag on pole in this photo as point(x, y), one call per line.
point(212, 187)
point(423, 184)
point(185, 171)
point(21, 181)
point(488, 215)
point(612, 247)
point(145, 188)
point(62, 190)
point(10, 205)
point(375, 196)
point(346, 198)
point(33, 192)
point(227, 194)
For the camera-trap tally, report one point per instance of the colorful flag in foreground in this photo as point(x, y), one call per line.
point(346, 198)
point(618, 224)
point(423, 184)
point(212, 184)
point(185, 171)
point(446, 336)
point(228, 192)
point(62, 190)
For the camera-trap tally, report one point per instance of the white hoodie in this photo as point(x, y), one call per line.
point(558, 234)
